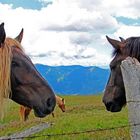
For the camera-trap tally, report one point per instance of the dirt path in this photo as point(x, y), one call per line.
point(27, 132)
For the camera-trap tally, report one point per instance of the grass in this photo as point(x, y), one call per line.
point(83, 113)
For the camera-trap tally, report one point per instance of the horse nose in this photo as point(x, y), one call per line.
point(50, 104)
point(113, 106)
point(109, 105)
point(46, 107)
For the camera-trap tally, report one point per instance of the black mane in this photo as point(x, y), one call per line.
point(131, 49)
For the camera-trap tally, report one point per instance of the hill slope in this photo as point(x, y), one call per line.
point(75, 79)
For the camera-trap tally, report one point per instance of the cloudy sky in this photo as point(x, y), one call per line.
point(70, 32)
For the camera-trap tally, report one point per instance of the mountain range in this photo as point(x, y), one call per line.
point(75, 79)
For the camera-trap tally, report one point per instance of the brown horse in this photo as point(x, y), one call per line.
point(25, 111)
point(114, 96)
point(19, 79)
point(60, 102)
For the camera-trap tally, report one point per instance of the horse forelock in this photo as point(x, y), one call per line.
point(5, 69)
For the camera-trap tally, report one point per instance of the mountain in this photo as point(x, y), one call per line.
point(75, 79)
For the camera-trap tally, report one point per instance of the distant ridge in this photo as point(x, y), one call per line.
point(75, 79)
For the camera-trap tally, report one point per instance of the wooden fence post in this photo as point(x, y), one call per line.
point(131, 76)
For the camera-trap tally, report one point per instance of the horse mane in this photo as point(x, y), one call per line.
point(5, 70)
point(131, 49)
point(59, 100)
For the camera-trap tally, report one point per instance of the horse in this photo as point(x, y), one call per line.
point(25, 111)
point(60, 102)
point(19, 79)
point(114, 95)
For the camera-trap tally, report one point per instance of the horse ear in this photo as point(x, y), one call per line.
point(122, 39)
point(115, 43)
point(2, 34)
point(20, 36)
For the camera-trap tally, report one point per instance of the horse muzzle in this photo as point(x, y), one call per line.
point(113, 107)
point(46, 109)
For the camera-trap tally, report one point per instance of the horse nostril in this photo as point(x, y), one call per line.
point(50, 104)
point(109, 105)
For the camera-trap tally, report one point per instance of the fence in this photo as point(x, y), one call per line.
point(131, 75)
point(20, 137)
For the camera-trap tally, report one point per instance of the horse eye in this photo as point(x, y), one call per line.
point(112, 67)
point(15, 64)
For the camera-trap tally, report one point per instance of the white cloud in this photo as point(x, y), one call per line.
point(128, 31)
point(67, 16)
point(125, 8)
point(70, 31)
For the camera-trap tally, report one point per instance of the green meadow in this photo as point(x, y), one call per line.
point(85, 119)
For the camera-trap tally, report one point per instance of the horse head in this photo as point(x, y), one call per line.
point(60, 102)
point(20, 80)
point(114, 96)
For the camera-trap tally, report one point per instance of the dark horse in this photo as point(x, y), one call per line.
point(19, 79)
point(114, 96)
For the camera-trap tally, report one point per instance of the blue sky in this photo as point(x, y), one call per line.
point(27, 4)
point(128, 21)
point(70, 32)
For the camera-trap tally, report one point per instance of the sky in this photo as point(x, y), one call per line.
point(70, 32)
